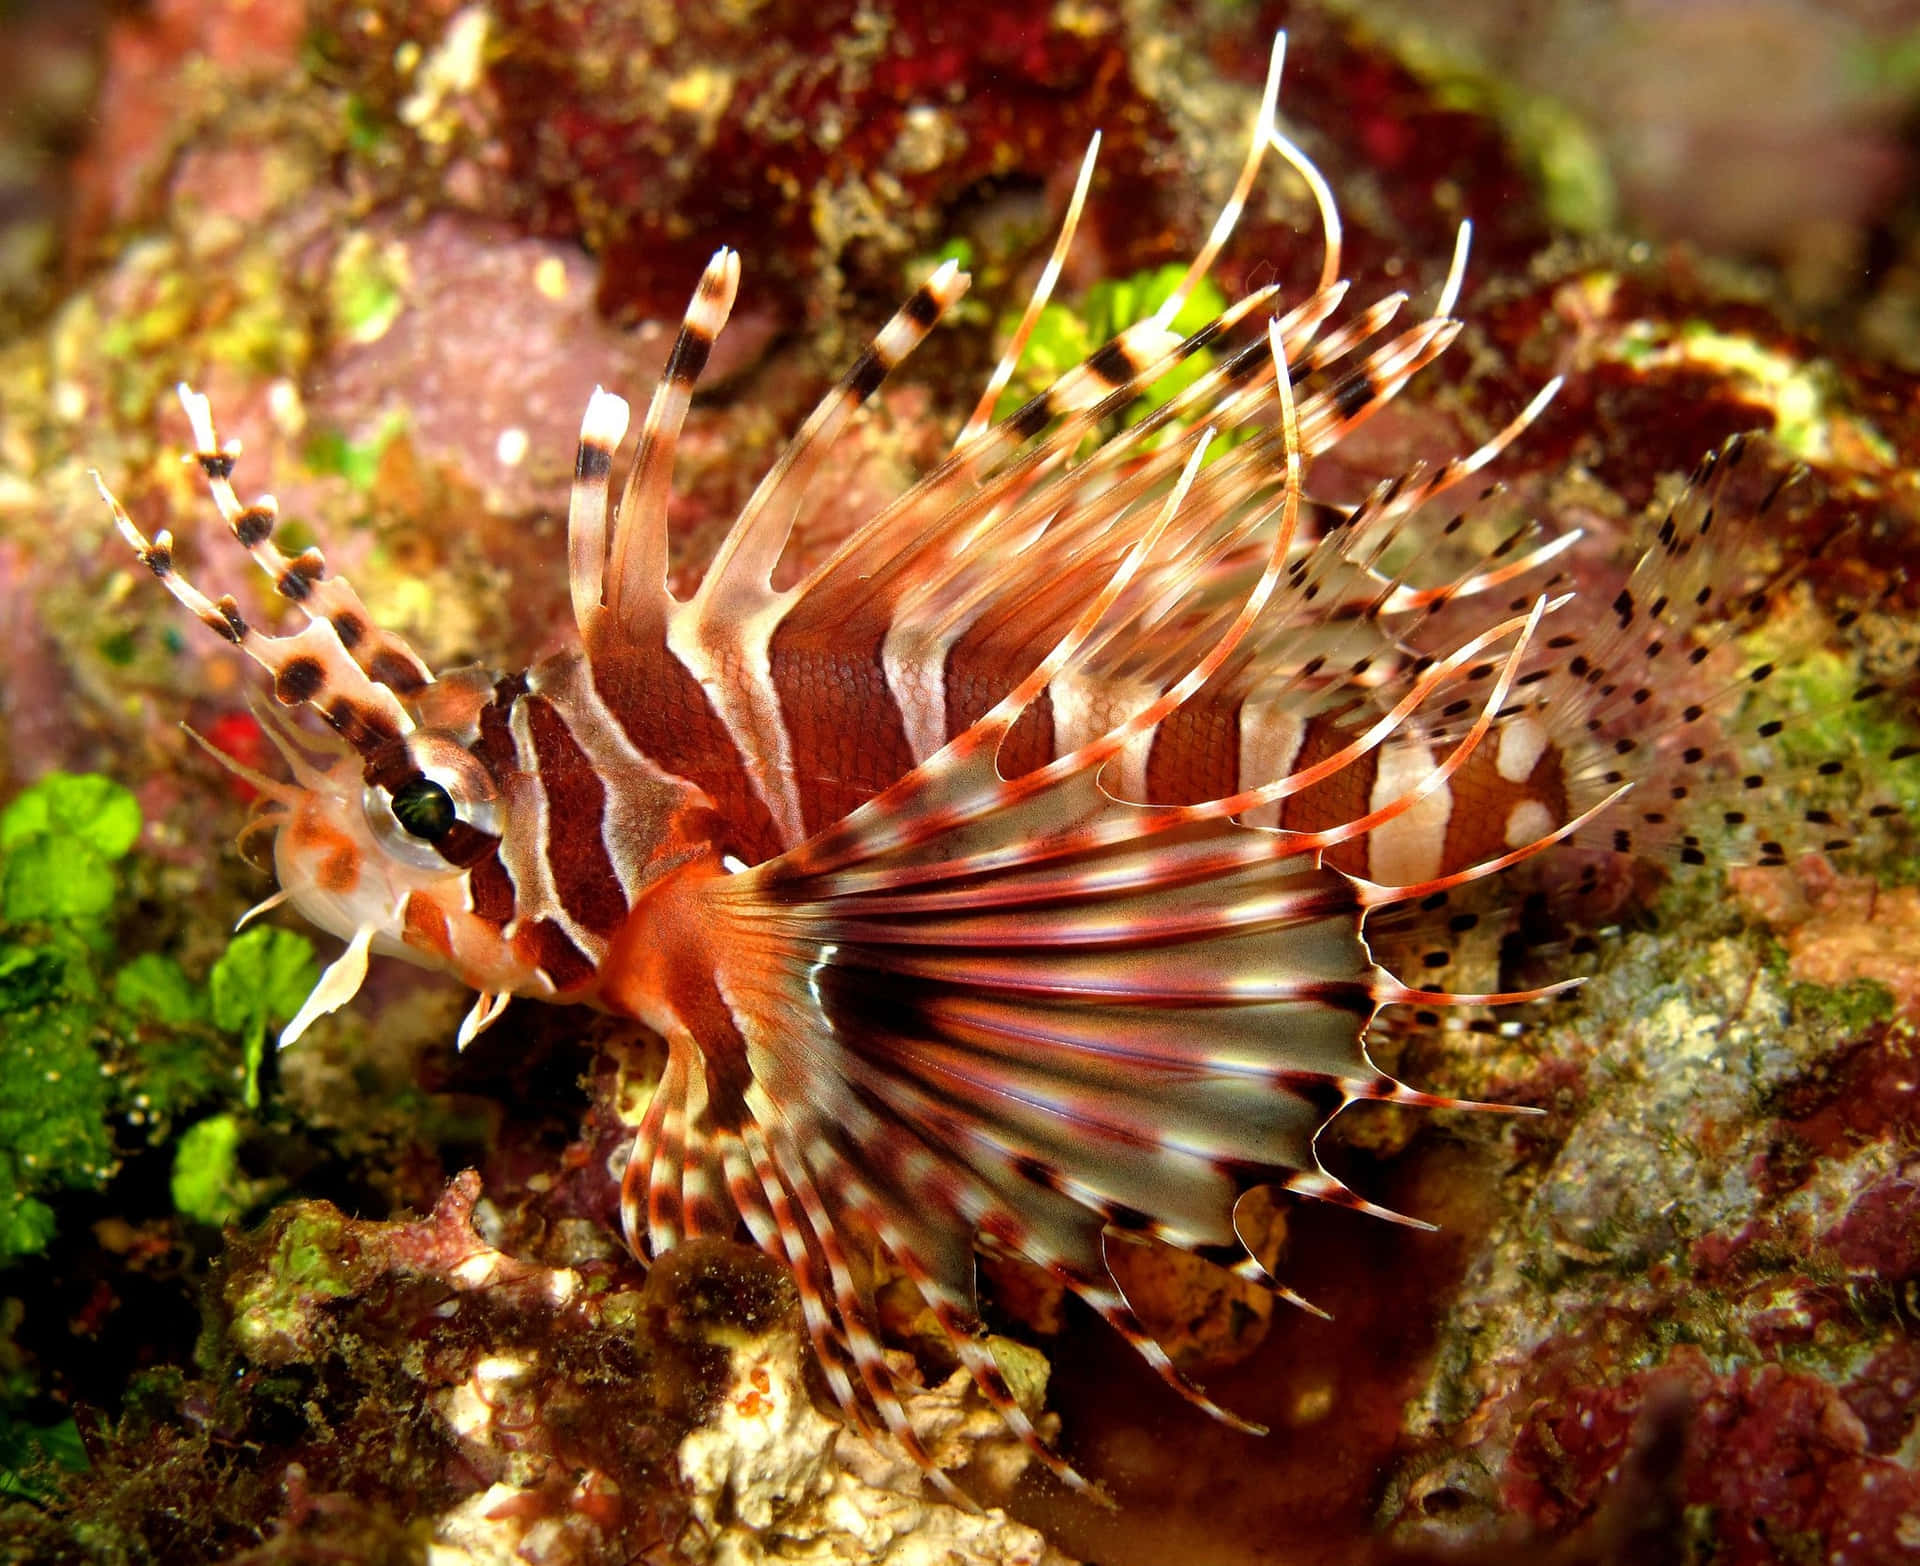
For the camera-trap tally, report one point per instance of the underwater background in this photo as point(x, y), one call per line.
point(367, 1301)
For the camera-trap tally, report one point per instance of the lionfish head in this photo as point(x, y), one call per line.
point(388, 833)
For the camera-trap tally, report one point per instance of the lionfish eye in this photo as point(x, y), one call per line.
point(424, 809)
point(430, 804)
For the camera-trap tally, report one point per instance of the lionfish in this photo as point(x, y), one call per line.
point(1007, 881)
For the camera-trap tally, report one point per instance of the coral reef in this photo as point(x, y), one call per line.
point(380, 1388)
point(398, 243)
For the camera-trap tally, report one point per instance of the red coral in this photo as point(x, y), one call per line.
point(1780, 1457)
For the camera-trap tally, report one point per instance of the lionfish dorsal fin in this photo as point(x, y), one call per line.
point(635, 565)
point(602, 427)
point(739, 577)
point(1009, 360)
point(1229, 215)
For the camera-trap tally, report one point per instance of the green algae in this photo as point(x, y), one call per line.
point(260, 980)
point(207, 1184)
point(59, 842)
point(1065, 335)
point(1849, 1009)
point(367, 288)
point(93, 1041)
point(310, 1258)
point(358, 462)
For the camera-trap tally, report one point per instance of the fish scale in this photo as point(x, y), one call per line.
point(1005, 880)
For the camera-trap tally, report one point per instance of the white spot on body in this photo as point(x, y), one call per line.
point(1528, 822)
point(1522, 742)
point(1086, 708)
point(1410, 846)
point(510, 449)
point(915, 668)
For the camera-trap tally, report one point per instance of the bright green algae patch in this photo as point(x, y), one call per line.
point(101, 1053)
point(91, 1039)
point(260, 981)
point(59, 844)
point(1066, 335)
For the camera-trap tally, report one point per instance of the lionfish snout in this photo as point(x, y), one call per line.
point(389, 832)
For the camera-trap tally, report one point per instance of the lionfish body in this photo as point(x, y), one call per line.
point(1003, 881)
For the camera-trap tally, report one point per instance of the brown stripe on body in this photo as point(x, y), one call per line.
point(576, 849)
point(981, 667)
point(1196, 753)
point(490, 890)
point(665, 712)
point(494, 749)
point(847, 736)
point(1485, 804)
point(1336, 800)
point(972, 689)
point(546, 946)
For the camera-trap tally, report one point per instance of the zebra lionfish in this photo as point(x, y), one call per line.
point(1007, 880)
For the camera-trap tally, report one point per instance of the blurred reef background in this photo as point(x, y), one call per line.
point(367, 1302)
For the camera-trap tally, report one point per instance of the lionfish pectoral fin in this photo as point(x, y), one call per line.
point(1250, 1269)
point(1031, 1013)
point(1110, 1301)
point(338, 984)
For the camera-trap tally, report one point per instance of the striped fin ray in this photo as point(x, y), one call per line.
point(746, 557)
point(312, 665)
point(650, 1187)
point(1229, 217)
point(982, 414)
point(300, 579)
point(636, 570)
point(675, 1185)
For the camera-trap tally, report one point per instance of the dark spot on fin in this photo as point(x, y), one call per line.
point(299, 679)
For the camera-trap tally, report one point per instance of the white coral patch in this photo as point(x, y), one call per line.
point(773, 1481)
point(765, 1452)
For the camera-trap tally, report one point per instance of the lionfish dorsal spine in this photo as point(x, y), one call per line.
point(637, 567)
